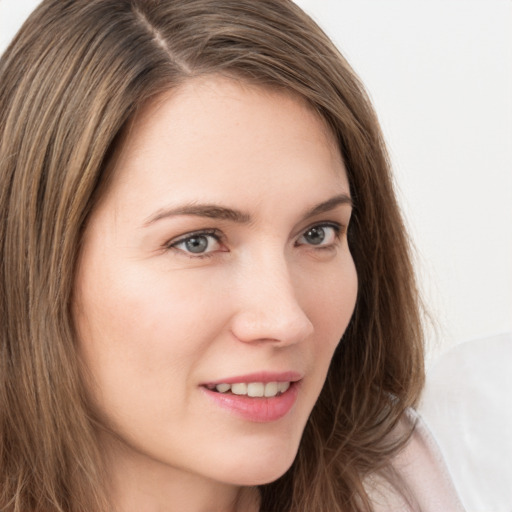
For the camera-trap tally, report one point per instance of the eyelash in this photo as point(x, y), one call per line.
point(219, 237)
point(207, 233)
point(338, 232)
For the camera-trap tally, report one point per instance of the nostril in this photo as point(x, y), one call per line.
point(276, 325)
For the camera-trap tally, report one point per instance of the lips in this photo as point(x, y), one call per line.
point(258, 397)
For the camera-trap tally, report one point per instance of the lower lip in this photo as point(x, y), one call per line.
point(259, 410)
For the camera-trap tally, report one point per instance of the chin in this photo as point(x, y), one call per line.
point(250, 477)
point(258, 458)
point(262, 469)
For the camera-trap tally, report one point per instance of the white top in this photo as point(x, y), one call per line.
point(422, 470)
point(467, 403)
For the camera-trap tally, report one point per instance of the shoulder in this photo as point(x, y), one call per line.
point(423, 482)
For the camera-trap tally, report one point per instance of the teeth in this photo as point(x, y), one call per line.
point(222, 388)
point(254, 389)
point(239, 388)
point(271, 389)
point(282, 387)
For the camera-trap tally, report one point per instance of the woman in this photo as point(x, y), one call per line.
point(196, 209)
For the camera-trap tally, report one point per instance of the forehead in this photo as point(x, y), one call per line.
point(215, 135)
point(224, 102)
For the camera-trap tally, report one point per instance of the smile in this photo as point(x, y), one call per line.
point(259, 402)
point(252, 389)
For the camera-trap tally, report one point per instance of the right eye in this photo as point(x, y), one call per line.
point(197, 244)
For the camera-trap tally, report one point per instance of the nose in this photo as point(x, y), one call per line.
point(266, 305)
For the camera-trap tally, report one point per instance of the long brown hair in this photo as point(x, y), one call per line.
point(70, 81)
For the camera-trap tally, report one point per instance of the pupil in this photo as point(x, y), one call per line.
point(315, 236)
point(197, 244)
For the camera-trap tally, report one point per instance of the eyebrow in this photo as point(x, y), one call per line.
point(213, 211)
point(329, 205)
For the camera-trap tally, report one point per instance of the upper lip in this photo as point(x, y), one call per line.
point(262, 376)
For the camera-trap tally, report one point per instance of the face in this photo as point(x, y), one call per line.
point(215, 270)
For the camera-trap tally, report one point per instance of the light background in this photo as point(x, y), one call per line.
point(440, 76)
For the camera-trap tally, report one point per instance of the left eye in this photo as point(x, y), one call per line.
point(198, 243)
point(322, 235)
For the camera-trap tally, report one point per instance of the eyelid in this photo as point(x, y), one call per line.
point(191, 234)
point(338, 227)
point(172, 244)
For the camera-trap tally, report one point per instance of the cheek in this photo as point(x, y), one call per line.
point(138, 312)
point(141, 339)
point(330, 302)
point(140, 331)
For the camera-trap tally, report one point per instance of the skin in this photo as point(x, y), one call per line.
point(156, 321)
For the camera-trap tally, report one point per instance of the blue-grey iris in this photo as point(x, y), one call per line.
point(197, 244)
point(315, 236)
